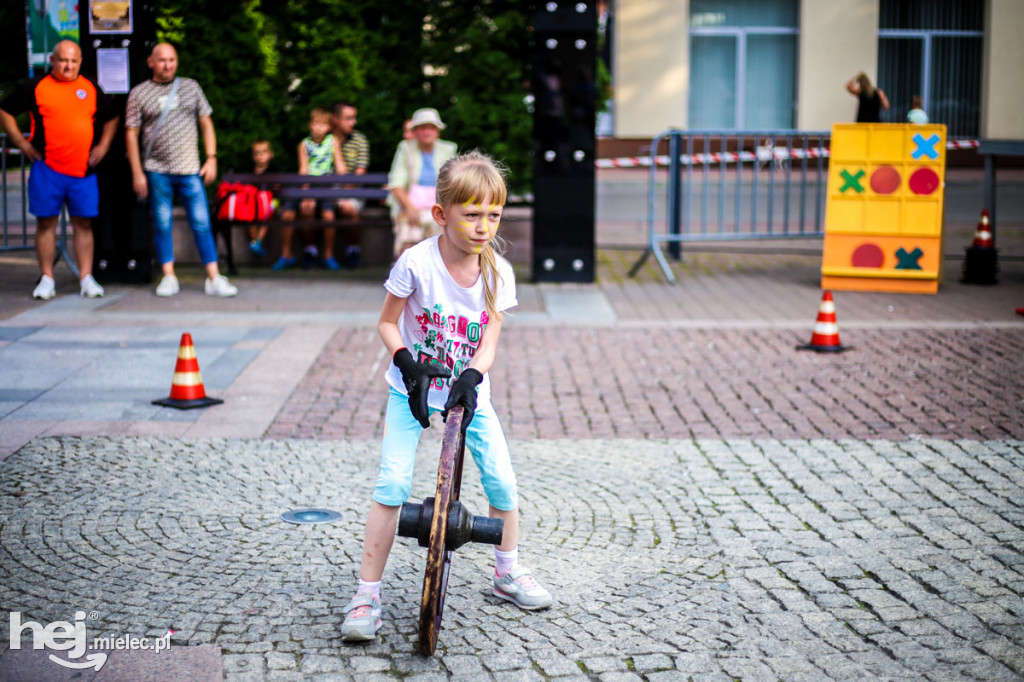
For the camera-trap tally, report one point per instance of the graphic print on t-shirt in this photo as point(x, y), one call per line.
point(448, 341)
point(162, 102)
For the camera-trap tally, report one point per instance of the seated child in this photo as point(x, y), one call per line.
point(262, 154)
point(319, 154)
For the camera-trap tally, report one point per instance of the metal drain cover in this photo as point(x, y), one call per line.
point(310, 516)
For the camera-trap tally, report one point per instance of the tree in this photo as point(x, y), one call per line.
point(264, 65)
point(230, 50)
point(479, 53)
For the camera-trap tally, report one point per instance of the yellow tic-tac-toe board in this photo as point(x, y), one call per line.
point(883, 221)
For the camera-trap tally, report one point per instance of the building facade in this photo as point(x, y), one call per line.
point(783, 64)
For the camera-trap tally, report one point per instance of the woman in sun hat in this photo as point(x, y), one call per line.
point(413, 178)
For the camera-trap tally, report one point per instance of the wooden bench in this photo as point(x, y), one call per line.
point(291, 186)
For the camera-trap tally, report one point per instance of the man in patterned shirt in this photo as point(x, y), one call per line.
point(73, 124)
point(355, 149)
point(167, 113)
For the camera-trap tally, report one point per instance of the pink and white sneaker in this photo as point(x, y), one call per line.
point(519, 587)
point(362, 618)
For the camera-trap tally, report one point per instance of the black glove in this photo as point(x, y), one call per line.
point(463, 392)
point(418, 377)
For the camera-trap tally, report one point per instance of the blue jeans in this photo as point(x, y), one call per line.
point(485, 441)
point(189, 188)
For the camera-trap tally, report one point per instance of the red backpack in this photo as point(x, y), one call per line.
point(244, 203)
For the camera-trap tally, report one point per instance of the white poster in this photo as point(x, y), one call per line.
point(112, 70)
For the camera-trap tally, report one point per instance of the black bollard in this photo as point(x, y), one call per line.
point(981, 265)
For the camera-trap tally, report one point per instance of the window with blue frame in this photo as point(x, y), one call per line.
point(743, 56)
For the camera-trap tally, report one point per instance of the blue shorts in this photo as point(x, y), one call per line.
point(484, 440)
point(48, 190)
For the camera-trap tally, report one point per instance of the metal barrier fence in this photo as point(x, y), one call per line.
point(19, 233)
point(14, 201)
point(781, 194)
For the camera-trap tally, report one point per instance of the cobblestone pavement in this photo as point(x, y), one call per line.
point(556, 382)
point(670, 559)
point(705, 501)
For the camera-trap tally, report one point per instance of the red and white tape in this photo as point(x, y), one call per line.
point(762, 154)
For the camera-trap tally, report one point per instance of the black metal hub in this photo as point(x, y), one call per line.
point(463, 527)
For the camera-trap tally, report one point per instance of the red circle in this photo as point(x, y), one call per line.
point(867, 256)
point(924, 181)
point(885, 180)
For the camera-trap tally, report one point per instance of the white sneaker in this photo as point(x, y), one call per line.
point(168, 286)
point(46, 289)
point(522, 589)
point(220, 286)
point(91, 288)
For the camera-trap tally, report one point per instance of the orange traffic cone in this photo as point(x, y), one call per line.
point(187, 390)
point(983, 235)
point(825, 338)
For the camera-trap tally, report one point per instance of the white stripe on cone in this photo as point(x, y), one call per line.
point(186, 379)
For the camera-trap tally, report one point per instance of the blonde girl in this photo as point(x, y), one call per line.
point(441, 321)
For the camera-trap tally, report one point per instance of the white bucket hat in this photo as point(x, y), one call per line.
point(428, 116)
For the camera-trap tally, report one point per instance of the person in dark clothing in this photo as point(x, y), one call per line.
point(262, 155)
point(870, 100)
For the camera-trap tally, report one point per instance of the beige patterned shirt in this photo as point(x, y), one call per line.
point(176, 148)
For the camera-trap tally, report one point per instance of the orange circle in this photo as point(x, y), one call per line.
point(885, 180)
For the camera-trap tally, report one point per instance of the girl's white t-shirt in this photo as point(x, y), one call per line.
point(442, 323)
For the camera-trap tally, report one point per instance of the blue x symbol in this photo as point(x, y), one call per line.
point(925, 147)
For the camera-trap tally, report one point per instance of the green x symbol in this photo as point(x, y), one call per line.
point(851, 181)
point(908, 261)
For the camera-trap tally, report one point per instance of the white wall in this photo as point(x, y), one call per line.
point(837, 40)
point(652, 55)
point(1002, 93)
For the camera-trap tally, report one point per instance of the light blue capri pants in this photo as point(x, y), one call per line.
point(484, 439)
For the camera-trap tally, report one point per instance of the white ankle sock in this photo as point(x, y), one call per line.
point(505, 561)
point(372, 588)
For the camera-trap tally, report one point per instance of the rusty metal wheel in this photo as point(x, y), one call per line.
point(439, 558)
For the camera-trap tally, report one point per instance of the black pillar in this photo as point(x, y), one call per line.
point(123, 251)
point(564, 144)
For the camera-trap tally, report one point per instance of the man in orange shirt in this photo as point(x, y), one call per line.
point(73, 124)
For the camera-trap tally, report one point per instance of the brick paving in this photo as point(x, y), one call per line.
point(701, 383)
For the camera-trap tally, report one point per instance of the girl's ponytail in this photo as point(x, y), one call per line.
point(491, 276)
